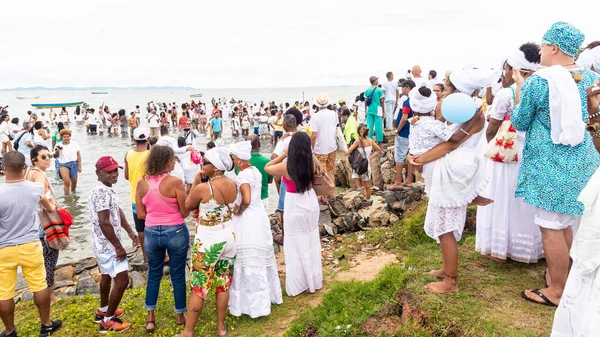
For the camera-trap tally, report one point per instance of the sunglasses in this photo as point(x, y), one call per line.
point(44, 157)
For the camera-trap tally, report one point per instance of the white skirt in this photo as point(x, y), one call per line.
point(302, 243)
point(442, 220)
point(457, 178)
point(506, 228)
point(578, 313)
point(255, 282)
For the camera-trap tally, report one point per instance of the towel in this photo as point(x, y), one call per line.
point(566, 124)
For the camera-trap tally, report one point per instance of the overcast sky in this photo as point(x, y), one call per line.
point(262, 43)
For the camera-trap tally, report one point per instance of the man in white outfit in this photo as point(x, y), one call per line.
point(392, 93)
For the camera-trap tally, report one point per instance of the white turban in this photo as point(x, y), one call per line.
point(241, 149)
point(219, 158)
point(468, 80)
point(420, 103)
point(590, 58)
point(518, 61)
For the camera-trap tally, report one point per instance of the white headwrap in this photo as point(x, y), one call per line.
point(566, 125)
point(469, 80)
point(420, 103)
point(590, 58)
point(220, 159)
point(241, 149)
point(518, 61)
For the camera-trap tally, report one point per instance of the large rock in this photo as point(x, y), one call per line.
point(136, 279)
point(85, 264)
point(325, 217)
point(64, 273)
point(380, 217)
point(21, 282)
point(337, 207)
point(376, 173)
point(343, 172)
point(389, 197)
point(26, 296)
point(65, 292)
point(86, 284)
point(388, 172)
point(63, 284)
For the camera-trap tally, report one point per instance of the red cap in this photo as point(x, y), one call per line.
point(107, 163)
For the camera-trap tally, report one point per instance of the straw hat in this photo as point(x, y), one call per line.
point(322, 99)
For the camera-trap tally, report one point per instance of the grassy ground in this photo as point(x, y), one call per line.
point(395, 303)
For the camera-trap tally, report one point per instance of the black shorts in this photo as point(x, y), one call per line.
point(93, 128)
point(140, 224)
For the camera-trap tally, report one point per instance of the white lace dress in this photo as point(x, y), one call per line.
point(452, 182)
point(506, 228)
point(255, 282)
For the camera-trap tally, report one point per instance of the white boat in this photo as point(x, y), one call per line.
point(99, 92)
point(196, 95)
point(30, 97)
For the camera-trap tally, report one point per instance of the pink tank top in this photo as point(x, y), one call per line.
point(160, 210)
point(290, 185)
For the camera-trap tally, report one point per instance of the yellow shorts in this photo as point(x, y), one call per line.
point(30, 257)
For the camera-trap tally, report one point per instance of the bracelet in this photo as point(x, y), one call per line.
point(595, 134)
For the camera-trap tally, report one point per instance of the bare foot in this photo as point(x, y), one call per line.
point(448, 285)
point(438, 273)
point(407, 183)
point(180, 319)
point(54, 299)
point(547, 278)
point(481, 201)
point(396, 186)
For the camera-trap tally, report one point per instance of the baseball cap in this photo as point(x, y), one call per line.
point(140, 134)
point(372, 79)
point(107, 163)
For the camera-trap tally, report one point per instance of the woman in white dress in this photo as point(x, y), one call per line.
point(255, 282)
point(578, 313)
point(506, 228)
point(303, 264)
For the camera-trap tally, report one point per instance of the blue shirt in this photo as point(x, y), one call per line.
point(216, 124)
point(552, 176)
point(406, 110)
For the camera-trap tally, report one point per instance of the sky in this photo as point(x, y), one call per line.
point(262, 43)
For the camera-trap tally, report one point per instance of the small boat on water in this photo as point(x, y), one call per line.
point(28, 97)
point(196, 95)
point(56, 105)
point(99, 92)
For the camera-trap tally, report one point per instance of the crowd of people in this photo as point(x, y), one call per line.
point(526, 153)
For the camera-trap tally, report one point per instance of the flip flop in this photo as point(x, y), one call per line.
point(542, 296)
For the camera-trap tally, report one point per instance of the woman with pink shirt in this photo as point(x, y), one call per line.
point(160, 200)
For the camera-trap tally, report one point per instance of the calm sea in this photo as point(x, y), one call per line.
point(94, 146)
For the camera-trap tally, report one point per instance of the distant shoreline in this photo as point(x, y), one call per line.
point(162, 88)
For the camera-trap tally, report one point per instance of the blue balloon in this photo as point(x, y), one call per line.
point(458, 108)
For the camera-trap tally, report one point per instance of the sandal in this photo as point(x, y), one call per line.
point(224, 335)
point(153, 326)
point(542, 296)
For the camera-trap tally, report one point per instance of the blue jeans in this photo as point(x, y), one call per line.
point(281, 201)
point(176, 241)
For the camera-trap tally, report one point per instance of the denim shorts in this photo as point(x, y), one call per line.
point(72, 166)
point(401, 149)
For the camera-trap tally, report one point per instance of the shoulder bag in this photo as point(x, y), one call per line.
point(503, 147)
point(358, 162)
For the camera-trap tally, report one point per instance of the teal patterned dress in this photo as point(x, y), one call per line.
point(552, 176)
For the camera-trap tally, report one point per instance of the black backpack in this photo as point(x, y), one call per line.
point(358, 162)
point(369, 98)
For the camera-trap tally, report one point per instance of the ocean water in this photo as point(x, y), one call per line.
point(95, 146)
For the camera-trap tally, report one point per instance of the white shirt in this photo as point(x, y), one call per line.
point(91, 119)
point(390, 88)
point(153, 120)
point(68, 152)
point(172, 143)
point(324, 123)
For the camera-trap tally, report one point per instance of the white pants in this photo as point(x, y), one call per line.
point(389, 114)
point(266, 204)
